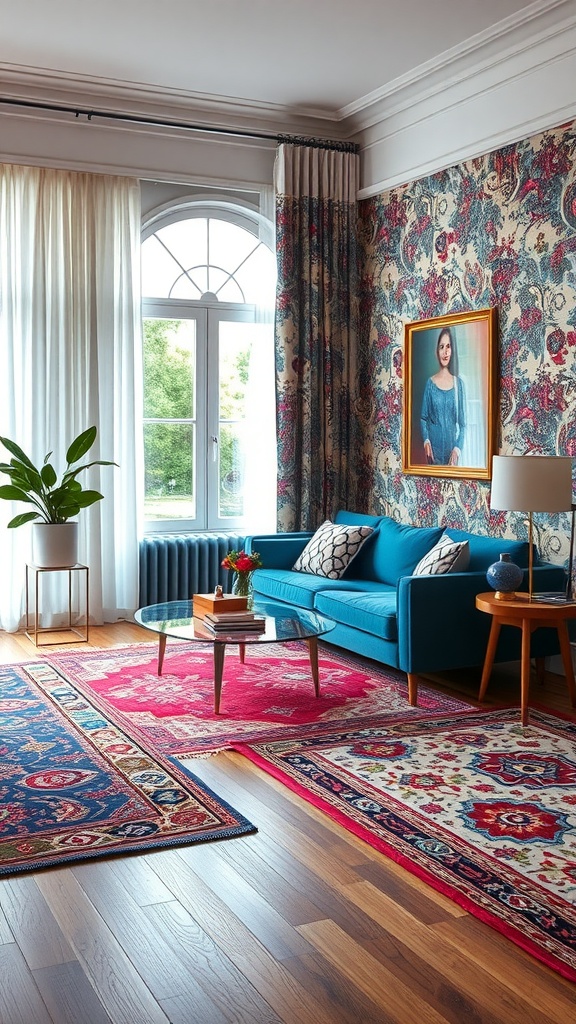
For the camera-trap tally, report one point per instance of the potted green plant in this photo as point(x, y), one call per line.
point(55, 501)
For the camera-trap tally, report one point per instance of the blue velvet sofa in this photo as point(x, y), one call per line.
point(418, 624)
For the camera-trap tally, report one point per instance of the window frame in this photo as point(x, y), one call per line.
point(208, 314)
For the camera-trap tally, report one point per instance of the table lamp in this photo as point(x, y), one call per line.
point(532, 483)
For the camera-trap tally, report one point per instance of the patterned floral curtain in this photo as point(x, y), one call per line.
point(316, 223)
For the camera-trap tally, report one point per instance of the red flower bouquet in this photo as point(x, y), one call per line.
point(242, 565)
point(239, 561)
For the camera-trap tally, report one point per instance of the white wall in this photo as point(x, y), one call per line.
point(61, 140)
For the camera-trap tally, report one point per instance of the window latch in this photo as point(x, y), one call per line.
point(214, 440)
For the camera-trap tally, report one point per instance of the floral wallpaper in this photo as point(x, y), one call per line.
point(499, 231)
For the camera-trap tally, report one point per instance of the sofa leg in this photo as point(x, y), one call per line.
point(412, 689)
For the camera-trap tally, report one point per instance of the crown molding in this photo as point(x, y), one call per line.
point(42, 85)
point(487, 49)
point(524, 89)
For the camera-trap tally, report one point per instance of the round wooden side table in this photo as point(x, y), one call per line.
point(528, 615)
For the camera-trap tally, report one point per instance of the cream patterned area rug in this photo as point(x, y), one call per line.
point(480, 807)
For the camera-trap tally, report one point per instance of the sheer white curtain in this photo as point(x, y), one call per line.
point(69, 358)
point(261, 462)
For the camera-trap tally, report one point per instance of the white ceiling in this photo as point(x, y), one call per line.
point(316, 57)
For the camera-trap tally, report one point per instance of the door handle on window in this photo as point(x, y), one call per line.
point(214, 440)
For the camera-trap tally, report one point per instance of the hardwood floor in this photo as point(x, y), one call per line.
point(301, 923)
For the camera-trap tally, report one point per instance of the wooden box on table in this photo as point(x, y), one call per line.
point(202, 603)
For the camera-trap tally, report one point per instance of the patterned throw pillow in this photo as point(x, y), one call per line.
point(331, 549)
point(446, 556)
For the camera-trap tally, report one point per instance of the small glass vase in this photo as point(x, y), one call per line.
point(242, 586)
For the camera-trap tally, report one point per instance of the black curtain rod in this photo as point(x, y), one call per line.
point(296, 140)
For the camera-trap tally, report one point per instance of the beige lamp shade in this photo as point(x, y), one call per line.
point(531, 483)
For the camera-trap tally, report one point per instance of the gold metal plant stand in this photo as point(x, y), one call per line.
point(34, 629)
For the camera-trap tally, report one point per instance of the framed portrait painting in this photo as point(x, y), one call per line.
point(449, 395)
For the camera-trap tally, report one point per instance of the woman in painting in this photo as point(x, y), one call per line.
point(443, 415)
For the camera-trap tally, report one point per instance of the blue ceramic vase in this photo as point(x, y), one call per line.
point(505, 576)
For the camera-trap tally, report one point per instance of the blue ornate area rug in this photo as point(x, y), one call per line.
point(73, 785)
point(479, 807)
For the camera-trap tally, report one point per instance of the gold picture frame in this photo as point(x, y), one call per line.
point(452, 402)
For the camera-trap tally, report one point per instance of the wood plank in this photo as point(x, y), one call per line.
point(160, 970)
point(339, 996)
point(475, 981)
point(509, 966)
point(140, 880)
point(248, 906)
point(417, 897)
point(20, 1000)
point(216, 980)
point(69, 996)
point(39, 936)
point(437, 992)
point(116, 980)
point(290, 1000)
point(263, 874)
point(298, 893)
point(370, 975)
point(6, 935)
point(282, 822)
point(180, 1010)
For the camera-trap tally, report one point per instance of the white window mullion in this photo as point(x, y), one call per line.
point(202, 432)
point(212, 419)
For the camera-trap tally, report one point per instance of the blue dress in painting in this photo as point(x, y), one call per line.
point(443, 419)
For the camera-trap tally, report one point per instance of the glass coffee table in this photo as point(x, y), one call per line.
point(282, 624)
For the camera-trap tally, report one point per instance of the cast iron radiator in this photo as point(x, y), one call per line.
point(174, 566)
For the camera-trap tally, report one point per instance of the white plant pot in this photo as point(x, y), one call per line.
point(54, 545)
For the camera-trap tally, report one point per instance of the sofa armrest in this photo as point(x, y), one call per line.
point(439, 626)
point(278, 550)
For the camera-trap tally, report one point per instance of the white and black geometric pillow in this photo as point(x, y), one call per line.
point(446, 556)
point(331, 550)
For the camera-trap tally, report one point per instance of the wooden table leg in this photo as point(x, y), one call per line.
point(489, 659)
point(242, 652)
point(567, 659)
point(161, 649)
point(219, 651)
point(312, 642)
point(525, 671)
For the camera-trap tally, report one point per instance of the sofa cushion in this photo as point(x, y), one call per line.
point(446, 556)
point(297, 588)
point(356, 519)
point(394, 551)
point(370, 611)
point(362, 565)
point(332, 549)
point(484, 551)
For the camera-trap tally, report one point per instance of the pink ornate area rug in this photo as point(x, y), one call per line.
point(269, 697)
point(481, 808)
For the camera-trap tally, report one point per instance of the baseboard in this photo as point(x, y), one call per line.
point(554, 664)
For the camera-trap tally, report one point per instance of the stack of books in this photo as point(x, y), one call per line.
point(235, 622)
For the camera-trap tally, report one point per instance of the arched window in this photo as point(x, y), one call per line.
point(208, 280)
